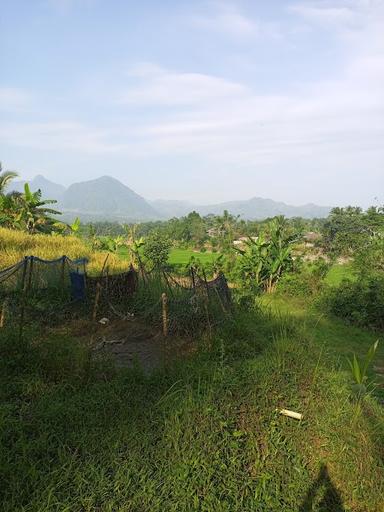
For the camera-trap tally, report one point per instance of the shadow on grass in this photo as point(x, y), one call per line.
point(330, 500)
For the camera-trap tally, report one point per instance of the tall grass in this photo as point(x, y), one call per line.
point(200, 435)
point(14, 245)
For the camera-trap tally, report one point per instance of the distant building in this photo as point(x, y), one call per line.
point(212, 232)
point(311, 236)
point(242, 239)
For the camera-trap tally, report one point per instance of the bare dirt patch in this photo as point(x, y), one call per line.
point(130, 343)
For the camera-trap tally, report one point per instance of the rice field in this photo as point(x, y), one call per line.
point(14, 245)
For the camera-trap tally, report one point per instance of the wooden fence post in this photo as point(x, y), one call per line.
point(193, 278)
point(63, 260)
point(3, 313)
point(30, 272)
point(97, 298)
point(164, 302)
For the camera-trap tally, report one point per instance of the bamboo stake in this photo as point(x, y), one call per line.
point(164, 302)
point(97, 298)
point(3, 312)
point(30, 272)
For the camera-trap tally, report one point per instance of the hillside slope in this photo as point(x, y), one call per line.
point(105, 198)
point(49, 189)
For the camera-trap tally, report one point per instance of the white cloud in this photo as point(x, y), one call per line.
point(53, 136)
point(323, 14)
point(334, 125)
point(161, 87)
point(226, 18)
point(14, 99)
point(228, 122)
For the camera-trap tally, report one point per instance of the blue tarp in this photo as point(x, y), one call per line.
point(77, 286)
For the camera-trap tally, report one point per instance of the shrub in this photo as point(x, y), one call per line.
point(360, 302)
point(306, 281)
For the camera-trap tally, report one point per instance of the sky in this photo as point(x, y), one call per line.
point(203, 100)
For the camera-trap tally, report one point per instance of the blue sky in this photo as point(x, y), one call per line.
point(200, 100)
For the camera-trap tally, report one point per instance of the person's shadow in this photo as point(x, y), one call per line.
point(330, 500)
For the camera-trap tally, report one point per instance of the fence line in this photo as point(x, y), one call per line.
point(50, 291)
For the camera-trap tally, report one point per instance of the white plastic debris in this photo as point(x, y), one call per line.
point(291, 414)
point(104, 321)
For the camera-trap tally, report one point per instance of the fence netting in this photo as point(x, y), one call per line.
point(52, 292)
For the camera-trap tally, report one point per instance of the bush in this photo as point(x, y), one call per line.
point(307, 281)
point(360, 302)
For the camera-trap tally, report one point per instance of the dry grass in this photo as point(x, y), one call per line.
point(14, 245)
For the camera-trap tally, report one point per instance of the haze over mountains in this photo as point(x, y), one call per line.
point(106, 198)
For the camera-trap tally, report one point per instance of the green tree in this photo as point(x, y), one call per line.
point(156, 249)
point(5, 178)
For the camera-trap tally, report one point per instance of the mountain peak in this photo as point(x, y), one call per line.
point(106, 198)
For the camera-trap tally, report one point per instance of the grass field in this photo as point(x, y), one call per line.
point(181, 256)
point(202, 434)
point(339, 339)
point(339, 272)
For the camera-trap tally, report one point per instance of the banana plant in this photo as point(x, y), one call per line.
point(75, 226)
point(266, 258)
point(33, 212)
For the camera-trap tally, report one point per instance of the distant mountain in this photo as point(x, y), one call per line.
point(258, 208)
point(105, 198)
point(49, 189)
point(172, 208)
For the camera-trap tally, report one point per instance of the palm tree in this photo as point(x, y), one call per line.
point(225, 225)
point(5, 178)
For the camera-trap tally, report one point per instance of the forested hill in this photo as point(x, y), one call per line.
point(106, 198)
point(256, 208)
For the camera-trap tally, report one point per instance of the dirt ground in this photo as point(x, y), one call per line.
point(131, 342)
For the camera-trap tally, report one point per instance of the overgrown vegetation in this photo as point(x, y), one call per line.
point(200, 435)
point(202, 432)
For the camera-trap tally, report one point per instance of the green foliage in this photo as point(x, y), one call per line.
point(347, 229)
point(156, 249)
point(201, 434)
point(75, 226)
point(5, 179)
point(265, 259)
point(369, 257)
point(359, 302)
point(108, 243)
point(305, 280)
point(26, 211)
point(359, 371)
